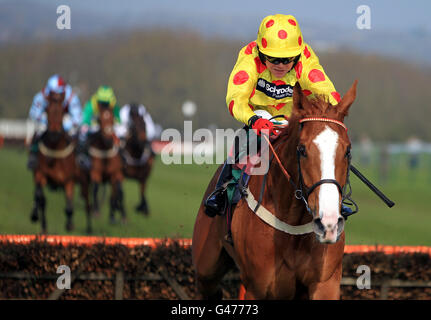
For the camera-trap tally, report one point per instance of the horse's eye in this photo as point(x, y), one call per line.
point(348, 154)
point(301, 150)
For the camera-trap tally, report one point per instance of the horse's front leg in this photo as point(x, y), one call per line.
point(38, 180)
point(69, 188)
point(34, 216)
point(120, 202)
point(40, 201)
point(116, 201)
point(143, 206)
point(85, 183)
point(96, 208)
point(113, 202)
point(327, 290)
point(96, 179)
point(117, 198)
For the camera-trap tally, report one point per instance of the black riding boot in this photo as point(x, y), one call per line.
point(346, 211)
point(216, 202)
point(32, 160)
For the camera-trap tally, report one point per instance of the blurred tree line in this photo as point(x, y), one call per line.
point(163, 68)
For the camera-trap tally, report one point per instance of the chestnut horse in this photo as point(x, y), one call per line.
point(106, 164)
point(297, 253)
point(56, 163)
point(138, 156)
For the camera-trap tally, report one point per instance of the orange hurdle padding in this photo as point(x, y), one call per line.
point(91, 240)
point(185, 242)
point(387, 249)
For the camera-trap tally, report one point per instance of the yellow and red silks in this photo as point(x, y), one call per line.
point(252, 86)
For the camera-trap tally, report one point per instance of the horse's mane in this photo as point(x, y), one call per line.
point(318, 107)
point(290, 130)
point(54, 103)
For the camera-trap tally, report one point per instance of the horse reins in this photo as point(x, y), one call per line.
point(299, 191)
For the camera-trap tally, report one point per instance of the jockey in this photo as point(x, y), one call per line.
point(104, 97)
point(55, 85)
point(125, 111)
point(262, 80)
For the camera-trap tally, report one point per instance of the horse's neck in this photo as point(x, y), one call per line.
point(61, 141)
point(100, 142)
point(282, 193)
point(133, 146)
point(55, 116)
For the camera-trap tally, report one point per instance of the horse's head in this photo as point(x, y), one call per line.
point(106, 121)
point(55, 112)
point(137, 127)
point(323, 152)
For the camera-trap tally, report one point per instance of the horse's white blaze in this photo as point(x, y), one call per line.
point(329, 206)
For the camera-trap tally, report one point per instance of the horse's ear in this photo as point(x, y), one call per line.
point(300, 101)
point(348, 99)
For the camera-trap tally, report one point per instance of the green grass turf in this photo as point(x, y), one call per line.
point(174, 193)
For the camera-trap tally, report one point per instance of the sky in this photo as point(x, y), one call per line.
point(386, 15)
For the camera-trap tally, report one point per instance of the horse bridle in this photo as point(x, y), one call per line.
point(302, 192)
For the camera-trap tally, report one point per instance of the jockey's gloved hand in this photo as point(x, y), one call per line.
point(258, 123)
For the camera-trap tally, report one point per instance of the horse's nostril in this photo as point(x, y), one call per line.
point(319, 224)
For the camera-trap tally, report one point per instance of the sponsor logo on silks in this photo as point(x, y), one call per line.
point(274, 91)
point(261, 83)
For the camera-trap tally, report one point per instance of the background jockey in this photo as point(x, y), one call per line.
point(150, 128)
point(55, 85)
point(104, 97)
point(262, 82)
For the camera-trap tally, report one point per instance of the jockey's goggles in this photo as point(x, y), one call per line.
point(275, 60)
point(103, 104)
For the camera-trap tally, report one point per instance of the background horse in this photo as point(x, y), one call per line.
point(274, 264)
point(137, 155)
point(56, 163)
point(106, 164)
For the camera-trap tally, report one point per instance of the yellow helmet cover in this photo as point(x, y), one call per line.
point(106, 94)
point(280, 36)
